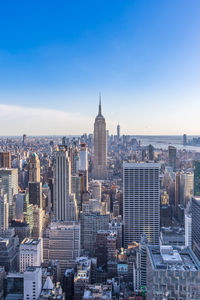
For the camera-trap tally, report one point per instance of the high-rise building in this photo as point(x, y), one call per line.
point(32, 283)
point(9, 253)
point(35, 193)
point(177, 190)
point(195, 207)
point(5, 160)
point(188, 230)
point(172, 273)
point(151, 152)
point(186, 187)
point(100, 146)
point(24, 140)
point(61, 241)
point(118, 133)
point(10, 187)
point(30, 254)
point(197, 178)
point(172, 157)
point(83, 157)
point(38, 222)
point(65, 206)
point(95, 188)
point(4, 210)
point(34, 168)
point(141, 202)
point(184, 140)
point(90, 224)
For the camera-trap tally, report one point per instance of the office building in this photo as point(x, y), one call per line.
point(34, 168)
point(197, 178)
point(150, 152)
point(22, 229)
point(188, 229)
point(195, 208)
point(95, 188)
point(172, 273)
point(10, 187)
point(30, 254)
point(65, 205)
point(90, 224)
point(82, 277)
point(184, 140)
point(38, 221)
point(5, 160)
point(83, 157)
point(186, 187)
point(19, 206)
point(118, 133)
point(14, 286)
point(76, 189)
point(100, 146)
point(24, 140)
point(4, 210)
point(32, 283)
point(35, 193)
point(9, 253)
point(61, 241)
point(141, 202)
point(172, 157)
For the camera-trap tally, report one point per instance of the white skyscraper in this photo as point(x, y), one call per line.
point(188, 230)
point(83, 157)
point(32, 283)
point(65, 206)
point(141, 202)
point(4, 210)
point(30, 254)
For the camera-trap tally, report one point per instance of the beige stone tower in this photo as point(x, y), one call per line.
point(100, 146)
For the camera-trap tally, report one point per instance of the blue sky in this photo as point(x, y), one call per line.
point(143, 55)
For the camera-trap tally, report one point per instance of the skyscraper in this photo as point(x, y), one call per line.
point(197, 178)
point(5, 160)
point(100, 146)
point(151, 152)
point(10, 187)
point(141, 202)
point(118, 133)
point(172, 157)
point(65, 206)
point(83, 157)
point(34, 168)
point(3, 210)
point(196, 225)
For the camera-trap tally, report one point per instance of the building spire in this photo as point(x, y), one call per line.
point(99, 103)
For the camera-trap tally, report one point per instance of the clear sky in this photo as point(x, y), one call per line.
point(143, 55)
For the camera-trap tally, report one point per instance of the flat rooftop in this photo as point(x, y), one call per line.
point(173, 258)
point(28, 241)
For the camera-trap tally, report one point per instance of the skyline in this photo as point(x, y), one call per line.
point(143, 57)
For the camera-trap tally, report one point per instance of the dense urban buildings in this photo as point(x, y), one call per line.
point(98, 216)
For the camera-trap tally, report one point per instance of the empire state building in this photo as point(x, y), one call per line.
point(100, 146)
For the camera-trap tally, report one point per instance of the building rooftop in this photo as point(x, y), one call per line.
point(173, 258)
point(98, 291)
point(28, 241)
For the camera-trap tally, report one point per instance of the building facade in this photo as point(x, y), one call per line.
point(141, 202)
point(100, 146)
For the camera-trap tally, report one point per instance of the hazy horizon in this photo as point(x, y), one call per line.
point(144, 57)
